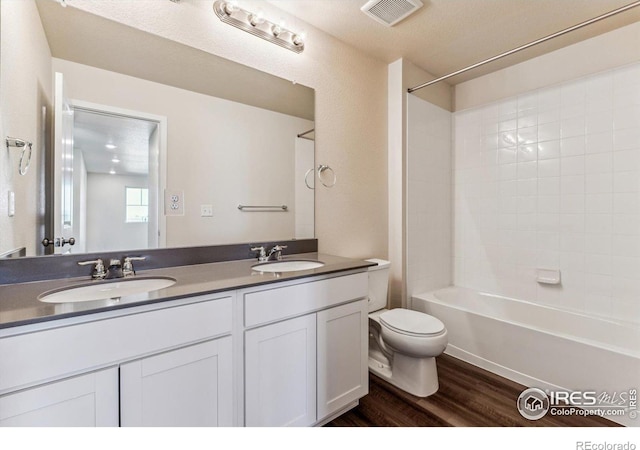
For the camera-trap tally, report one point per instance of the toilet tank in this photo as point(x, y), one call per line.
point(378, 284)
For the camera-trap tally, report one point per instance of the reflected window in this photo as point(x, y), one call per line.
point(137, 205)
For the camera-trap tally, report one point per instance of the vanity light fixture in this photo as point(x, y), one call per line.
point(229, 12)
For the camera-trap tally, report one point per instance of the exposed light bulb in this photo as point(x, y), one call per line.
point(111, 146)
point(112, 172)
point(298, 39)
point(256, 19)
point(115, 159)
point(229, 7)
point(276, 30)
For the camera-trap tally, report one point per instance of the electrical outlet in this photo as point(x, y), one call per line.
point(206, 210)
point(173, 203)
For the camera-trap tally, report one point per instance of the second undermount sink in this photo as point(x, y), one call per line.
point(287, 266)
point(106, 289)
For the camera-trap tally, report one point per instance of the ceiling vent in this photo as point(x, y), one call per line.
point(390, 12)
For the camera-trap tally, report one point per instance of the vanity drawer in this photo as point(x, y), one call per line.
point(269, 305)
point(47, 355)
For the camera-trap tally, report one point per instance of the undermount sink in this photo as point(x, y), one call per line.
point(287, 266)
point(106, 290)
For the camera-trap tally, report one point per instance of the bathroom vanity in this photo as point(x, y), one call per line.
point(224, 346)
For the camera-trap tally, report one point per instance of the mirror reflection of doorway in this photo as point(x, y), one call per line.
point(115, 193)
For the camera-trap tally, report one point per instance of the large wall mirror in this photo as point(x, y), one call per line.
point(142, 142)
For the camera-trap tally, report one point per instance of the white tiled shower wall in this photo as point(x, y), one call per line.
point(428, 196)
point(551, 179)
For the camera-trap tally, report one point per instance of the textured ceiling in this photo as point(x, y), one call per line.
point(92, 131)
point(446, 35)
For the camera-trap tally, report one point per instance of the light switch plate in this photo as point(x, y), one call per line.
point(206, 210)
point(12, 204)
point(173, 203)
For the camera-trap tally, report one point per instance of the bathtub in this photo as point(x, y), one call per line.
point(538, 346)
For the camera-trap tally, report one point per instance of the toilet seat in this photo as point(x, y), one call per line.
point(411, 323)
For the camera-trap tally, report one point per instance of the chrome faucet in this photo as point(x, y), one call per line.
point(277, 251)
point(127, 267)
point(114, 270)
point(98, 272)
point(274, 254)
point(262, 257)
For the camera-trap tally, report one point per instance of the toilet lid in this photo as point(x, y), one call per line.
point(406, 321)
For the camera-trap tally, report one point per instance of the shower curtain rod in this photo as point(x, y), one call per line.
point(307, 132)
point(530, 44)
point(302, 135)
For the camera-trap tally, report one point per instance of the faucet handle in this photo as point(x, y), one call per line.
point(127, 267)
point(263, 254)
point(98, 271)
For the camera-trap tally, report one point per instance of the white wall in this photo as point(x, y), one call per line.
point(219, 152)
point(551, 179)
point(107, 229)
point(350, 87)
point(304, 206)
point(402, 74)
point(428, 196)
point(28, 73)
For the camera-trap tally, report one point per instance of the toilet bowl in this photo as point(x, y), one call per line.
point(403, 343)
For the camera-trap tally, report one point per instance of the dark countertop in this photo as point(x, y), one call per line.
point(19, 304)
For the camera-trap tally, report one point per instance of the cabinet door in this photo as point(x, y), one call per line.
point(191, 386)
point(342, 356)
point(84, 401)
point(280, 373)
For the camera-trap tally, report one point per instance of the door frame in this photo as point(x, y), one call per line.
point(162, 151)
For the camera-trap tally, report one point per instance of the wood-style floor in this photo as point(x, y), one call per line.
point(468, 397)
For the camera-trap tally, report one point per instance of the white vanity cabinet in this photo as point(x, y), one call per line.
point(190, 387)
point(309, 359)
point(280, 373)
point(343, 353)
point(166, 365)
point(89, 400)
point(290, 353)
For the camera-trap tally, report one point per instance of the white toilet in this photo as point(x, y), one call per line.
point(403, 343)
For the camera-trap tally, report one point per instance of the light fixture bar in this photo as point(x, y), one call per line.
point(256, 25)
